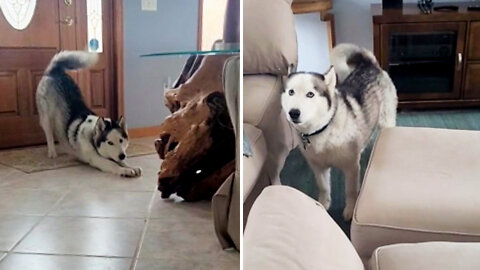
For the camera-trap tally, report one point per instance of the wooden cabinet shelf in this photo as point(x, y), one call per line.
point(433, 59)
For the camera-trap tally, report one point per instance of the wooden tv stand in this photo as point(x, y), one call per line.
point(393, 28)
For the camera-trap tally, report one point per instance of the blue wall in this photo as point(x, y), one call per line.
point(173, 27)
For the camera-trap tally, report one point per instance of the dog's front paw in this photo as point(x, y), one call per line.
point(131, 172)
point(138, 171)
point(348, 211)
point(52, 153)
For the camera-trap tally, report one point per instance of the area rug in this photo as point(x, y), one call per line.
point(34, 159)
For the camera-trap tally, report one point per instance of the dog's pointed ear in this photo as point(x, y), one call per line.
point(100, 126)
point(331, 79)
point(291, 69)
point(122, 123)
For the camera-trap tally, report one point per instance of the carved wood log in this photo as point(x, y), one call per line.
point(196, 143)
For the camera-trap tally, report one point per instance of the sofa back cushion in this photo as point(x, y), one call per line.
point(269, 37)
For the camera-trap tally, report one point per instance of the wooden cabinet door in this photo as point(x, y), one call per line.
point(454, 67)
point(474, 41)
point(472, 75)
point(24, 54)
point(472, 81)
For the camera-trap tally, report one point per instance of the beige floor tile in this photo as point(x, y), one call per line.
point(85, 176)
point(104, 181)
point(91, 178)
point(8, 175)
point(207, 263)
point(181, 211)
point(183, 231)
point(192, 241)
point(149, 162)
point(60, 179)
point(84, 236)
point(102, 203)
point(27, 201)
point(52, 262)
point(13, 228)
point(6, 171)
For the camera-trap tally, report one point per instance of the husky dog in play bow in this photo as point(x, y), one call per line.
point(98, 141)
point(336, 113)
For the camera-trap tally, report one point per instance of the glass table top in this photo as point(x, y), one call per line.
point(194, 52)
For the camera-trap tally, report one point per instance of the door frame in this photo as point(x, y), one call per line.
point(118, 66)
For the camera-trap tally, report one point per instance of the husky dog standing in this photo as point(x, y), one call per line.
point(336, 119)
point(95, 140)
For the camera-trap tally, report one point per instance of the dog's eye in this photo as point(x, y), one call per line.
point(310, 94)
point(121, 141)
point(110, 143)
point(291, 92)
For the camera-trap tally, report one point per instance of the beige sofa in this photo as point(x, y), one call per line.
point(288, 230)
point(226, 201)
point(270, 48)
point(421, 185)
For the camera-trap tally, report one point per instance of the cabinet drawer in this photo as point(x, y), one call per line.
point(472, 81)
point(474, 41)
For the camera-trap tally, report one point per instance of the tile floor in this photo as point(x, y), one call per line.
point(81, 218)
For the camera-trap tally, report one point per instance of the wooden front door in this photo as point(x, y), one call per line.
point(24, 54)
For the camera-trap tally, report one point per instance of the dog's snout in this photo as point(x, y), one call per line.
point(294, 114)
point(122, 156)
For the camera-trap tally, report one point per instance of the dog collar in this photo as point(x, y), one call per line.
point(305, 136)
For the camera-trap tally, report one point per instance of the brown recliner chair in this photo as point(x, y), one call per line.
point(270, 49)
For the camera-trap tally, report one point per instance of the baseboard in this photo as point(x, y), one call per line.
point(144, 132)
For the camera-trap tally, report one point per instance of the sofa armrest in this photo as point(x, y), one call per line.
point(288, 230)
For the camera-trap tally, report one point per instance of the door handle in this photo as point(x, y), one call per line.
point(459, 61)
point(68, 2)
point(67, 21)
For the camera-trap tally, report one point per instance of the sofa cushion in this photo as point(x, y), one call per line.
point(421, 185)
point(269, 37)
point(252, 166)
point(288, 230)
point(260, 96)
point(427, 256)
point(262, 108)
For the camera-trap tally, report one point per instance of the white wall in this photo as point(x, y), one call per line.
point(312, 38)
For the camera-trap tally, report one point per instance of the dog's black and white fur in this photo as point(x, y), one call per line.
point(64, 116)
point(335, 119)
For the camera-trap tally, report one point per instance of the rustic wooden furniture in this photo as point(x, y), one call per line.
point(197, 142)
point(465, 72)
point(323, 7)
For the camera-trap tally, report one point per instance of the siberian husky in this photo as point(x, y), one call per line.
point(336, 119)
point(98, 141)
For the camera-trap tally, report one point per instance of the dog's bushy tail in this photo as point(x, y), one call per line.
point(70, 60)
point(346, 57)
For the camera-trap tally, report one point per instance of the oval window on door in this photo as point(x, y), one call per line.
point(18, 13)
